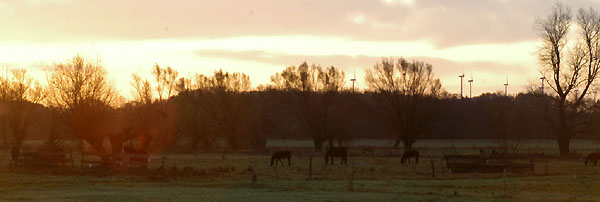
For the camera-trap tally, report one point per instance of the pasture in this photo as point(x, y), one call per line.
point(227, 177)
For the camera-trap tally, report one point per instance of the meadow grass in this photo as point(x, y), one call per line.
point(381, 178)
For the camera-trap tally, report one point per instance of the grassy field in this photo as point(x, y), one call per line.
point(227, 177)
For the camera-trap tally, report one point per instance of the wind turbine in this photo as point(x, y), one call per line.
point(470, 86)
point(543, 78)
point(506, 87)
point(353, 79)
point(461, 84)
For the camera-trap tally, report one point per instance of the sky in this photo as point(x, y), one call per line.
point(489, 40)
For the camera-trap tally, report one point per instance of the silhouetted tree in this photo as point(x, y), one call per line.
point(166, 80)
point(21, 93)
point(227, 101)
point(407, 94)
point(151, 120)
point(570, 74)
point(311, 94)
point(192, 119)
point(80, 91)
point(219, 104)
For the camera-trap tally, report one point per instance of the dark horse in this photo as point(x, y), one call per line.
point(336, 152)
point(410, 154)
point(592, 157)
point(277, 156)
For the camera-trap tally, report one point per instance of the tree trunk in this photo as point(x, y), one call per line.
point(318, 144)
point(563, 146)
point(116, 145)
point(397, 142)
point(195, 143)
point(563, 135)
point(18, 139)
point(233, 143)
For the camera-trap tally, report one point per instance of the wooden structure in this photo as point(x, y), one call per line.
point(474, 163)
point(46, 159)
point(132, 160)
point(122, 160)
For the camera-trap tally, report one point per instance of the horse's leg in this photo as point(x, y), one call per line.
point(289, 161)
point(417, 160)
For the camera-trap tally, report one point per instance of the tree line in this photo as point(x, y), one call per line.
point(403, 101)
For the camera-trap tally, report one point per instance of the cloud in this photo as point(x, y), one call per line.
point(38, 2)
point(445, 23)
point(392, 2)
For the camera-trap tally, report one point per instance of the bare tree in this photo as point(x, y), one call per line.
point(571, 73)
point(152, 120)
point(226, 99)
point(218, 106)
point(80, 91)
point(191, 118)
point(143, 90)
point(21, 93)
point(407, 92)
point(311, 94)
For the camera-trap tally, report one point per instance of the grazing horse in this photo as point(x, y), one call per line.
point(336, 152)
point(277, 156)
point(410, 154)
point(592, 157)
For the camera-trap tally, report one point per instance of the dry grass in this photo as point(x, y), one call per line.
point(379, 179)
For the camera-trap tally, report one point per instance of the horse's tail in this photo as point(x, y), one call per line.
point(417, 156)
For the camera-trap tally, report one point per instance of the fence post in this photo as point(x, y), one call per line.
point(546, 169)
point(351, 184)
point(310, 168)
point(504, 183)
point(432, 169)
point(532, 166)
point(253, 172)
